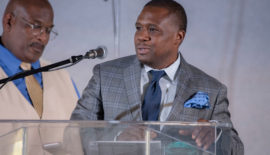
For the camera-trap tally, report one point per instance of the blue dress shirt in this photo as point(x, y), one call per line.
point(11, 65)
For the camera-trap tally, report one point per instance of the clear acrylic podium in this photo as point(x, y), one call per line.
point(109, 138)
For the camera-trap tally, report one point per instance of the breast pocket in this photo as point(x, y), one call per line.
point(193, 114)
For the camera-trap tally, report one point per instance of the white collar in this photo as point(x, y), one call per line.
point(170, 70)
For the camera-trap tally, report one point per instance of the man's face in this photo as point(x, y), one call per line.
point(24, 44)
point(157, 37)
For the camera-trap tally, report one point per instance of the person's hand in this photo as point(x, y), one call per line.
point(135, 133)
point(204, 136)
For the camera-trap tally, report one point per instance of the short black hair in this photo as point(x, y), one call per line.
point(174, 8)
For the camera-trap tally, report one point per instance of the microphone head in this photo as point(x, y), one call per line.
point(101, 52)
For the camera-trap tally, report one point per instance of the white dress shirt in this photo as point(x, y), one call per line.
point(167, 84)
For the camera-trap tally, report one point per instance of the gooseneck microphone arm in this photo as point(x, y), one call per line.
point(73, 59)
point(100, 52)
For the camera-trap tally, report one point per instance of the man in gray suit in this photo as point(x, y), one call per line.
point(120, 89)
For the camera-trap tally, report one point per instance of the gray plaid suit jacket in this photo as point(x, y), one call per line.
point(113, 93)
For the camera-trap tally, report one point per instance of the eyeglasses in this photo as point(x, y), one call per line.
point(38, 29)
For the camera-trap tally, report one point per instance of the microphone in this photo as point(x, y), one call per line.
point(100, 52)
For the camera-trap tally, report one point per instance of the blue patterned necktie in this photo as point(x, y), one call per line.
point(152, 98)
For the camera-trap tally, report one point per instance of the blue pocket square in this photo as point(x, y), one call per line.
point(199, 101)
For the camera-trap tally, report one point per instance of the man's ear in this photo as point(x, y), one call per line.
point(180, 36)
point(8, 22)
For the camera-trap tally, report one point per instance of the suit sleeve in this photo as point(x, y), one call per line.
point(222, 114)
point(89, 106)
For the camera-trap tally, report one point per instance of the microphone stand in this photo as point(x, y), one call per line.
point(73, 60)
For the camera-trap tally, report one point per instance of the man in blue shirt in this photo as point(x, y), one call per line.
point(27, 28)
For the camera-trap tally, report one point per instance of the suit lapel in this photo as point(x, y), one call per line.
point(132, 76)
point(183, 91)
